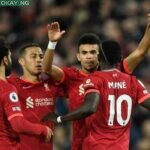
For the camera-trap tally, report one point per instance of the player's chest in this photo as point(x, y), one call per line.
point(36, 96)
point(75, 93)
point(75, 85)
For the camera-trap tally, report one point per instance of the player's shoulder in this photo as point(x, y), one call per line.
point(71, 71)
point(96, 76)
point(137, 81)
point(8, 91)
point(6, 86)
point(15, 80)
point(12, 78)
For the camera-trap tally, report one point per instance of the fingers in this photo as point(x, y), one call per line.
point(54, 33)
point(49, 134)
point(63, 32)
point(53, 26)
point(48, 27)
point(56, 26)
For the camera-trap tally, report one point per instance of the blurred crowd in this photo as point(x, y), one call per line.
point(122, 20)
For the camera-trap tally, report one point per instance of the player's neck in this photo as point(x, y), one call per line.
point(2, 78)
point(30, 78)
point(86, 71)
point(2, 73)
point(105, 66)
point(89, 71)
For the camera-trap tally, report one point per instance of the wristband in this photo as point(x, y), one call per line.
point(59, 119)
point(51, 45)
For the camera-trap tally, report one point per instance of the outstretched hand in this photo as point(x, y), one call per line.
point(50, 117)
point(54, 33)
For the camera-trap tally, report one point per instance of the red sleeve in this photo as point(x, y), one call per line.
point(68, 74)
point(126, 69)
point(45, 77)
point(91, 84)
point(122, 66)
point(11, 103)
point(21, 125)
point(14, 114)
point(142, 93)
point(64, 70)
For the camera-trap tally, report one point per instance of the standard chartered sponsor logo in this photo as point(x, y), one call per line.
point(44, 101)
point(81, 89)
point(32, 103)
point(29, 103)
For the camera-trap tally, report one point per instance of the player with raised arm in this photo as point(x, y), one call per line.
point(12, 120)
point(88, 50)
point(109, 99)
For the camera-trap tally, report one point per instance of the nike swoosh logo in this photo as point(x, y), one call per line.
point(26, 87)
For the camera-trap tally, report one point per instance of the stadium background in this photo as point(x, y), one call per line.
point(122, 20)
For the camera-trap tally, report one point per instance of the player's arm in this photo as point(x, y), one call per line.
point(14, 115)
point(21, 125)
point(54, 35)
point(138, 55)
point(89, 107)
point(143, 96)
point(146, 103)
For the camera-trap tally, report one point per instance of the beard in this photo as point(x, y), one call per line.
point(8, 69)
point(92, 69)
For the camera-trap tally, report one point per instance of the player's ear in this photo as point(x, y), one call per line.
point(21, 61)
point(5, 60)
point(78, 57)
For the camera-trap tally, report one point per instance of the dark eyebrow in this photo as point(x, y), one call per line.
point(93, 50)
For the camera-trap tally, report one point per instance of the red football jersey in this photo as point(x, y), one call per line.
point(109, 127)
point(73, 86)
point(36, 99)
point(72, 83)
point(9, 108)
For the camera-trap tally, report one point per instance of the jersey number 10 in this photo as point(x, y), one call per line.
point(118, 103)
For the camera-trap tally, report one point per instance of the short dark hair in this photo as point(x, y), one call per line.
point(89, 38)
point(23, 48)
point(112, 51)
point(4, 48)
